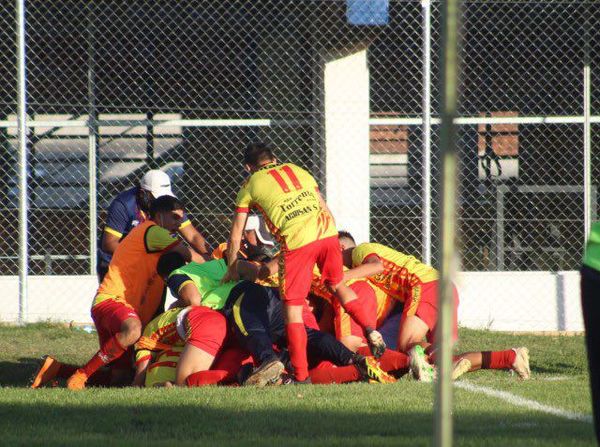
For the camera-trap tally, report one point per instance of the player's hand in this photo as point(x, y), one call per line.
point(376, 343)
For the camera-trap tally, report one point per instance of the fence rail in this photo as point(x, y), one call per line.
point(114, 88)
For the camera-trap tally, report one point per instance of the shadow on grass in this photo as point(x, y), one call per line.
point(177, 423)
point(18, 373)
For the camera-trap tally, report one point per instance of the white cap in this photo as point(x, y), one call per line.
point(262, 233)
point(157, 182)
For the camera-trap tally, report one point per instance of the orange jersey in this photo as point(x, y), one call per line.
point(288, 198)
point(400, 272)
point(132, 276)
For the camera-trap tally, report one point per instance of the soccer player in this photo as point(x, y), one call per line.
point(205, 332)
point(405, 279)
point(295, 212)
point(132, 291)
point(256, 315)
point(131, 208)
point(590, 303)
point(413, 283)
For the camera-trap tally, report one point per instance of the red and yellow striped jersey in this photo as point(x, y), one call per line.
point(162, 329)
point(287, 196)
point(400, 272)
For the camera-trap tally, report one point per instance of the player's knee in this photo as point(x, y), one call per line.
point(131, 331)
point(293, 314)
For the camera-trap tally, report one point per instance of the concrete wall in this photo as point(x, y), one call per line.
point(500, 301)
point(347, 141)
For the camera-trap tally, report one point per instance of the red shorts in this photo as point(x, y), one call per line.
point(206, 329)
point(309, 318)
point(296, 268)
point(344, 324)
point(427, 308)
point(108, 317)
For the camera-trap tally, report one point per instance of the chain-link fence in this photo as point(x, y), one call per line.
point(115, 88)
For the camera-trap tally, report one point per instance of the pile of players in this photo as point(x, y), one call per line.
point(321, 310)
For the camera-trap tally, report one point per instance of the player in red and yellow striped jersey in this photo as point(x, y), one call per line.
point(131, 291)
point(160, 333)
point(295, 212)
point(404, 278)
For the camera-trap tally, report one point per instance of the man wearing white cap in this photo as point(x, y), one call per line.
point(130, 208)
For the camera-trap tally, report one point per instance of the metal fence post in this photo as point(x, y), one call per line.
point(426, 201)
point(448, 222)
point(93, 143)
point(23, 140)
point(587, 132)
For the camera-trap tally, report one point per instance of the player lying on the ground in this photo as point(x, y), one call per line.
point(377, 305)
point(132, 291)
point(197, 326)
point(129, 295)
point(414, 284)
point(256, 316)
point(289, 199)
point(245, 301)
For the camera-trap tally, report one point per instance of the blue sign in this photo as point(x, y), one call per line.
point(367, 12)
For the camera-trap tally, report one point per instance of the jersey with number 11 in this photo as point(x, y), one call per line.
point(288, 197)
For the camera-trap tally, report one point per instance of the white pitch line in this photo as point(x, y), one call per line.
point(522, 402)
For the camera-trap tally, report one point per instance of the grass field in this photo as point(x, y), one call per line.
point(348, 415)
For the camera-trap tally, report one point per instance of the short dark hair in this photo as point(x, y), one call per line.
point(163, 204)
point(169, 262)
point(258, 152)
point(346, 235)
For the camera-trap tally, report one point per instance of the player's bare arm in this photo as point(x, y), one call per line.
point(248, 270)
point(196, 241)
point(188, 295)
point(187, 254)
point(109, 242)
point(233, 245)
point(269, 268)
point(140, 372)
point(370, 267)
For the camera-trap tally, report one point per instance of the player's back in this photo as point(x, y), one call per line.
point(400, 270)
point(288, 197)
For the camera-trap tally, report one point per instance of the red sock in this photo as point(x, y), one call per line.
point(111, 350)
point(202, 378)
point(359, 313)
point(390, 360)
point(498, 359)
point(331, 374)
point(230, 361)
point(296, 335)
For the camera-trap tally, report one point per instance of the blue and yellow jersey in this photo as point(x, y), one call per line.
point(287, 196)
